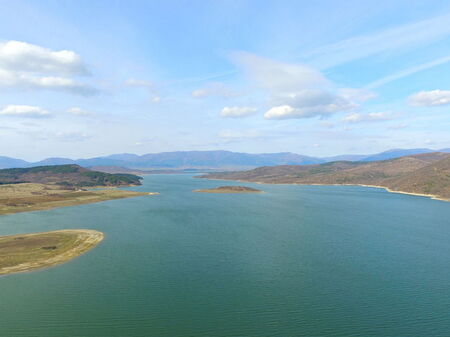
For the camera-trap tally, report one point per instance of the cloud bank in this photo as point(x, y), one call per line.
point(430, 98)
point(27, 66)
point(24, 111)
point(295, 90)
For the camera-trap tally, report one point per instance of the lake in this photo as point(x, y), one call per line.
point(294, 261)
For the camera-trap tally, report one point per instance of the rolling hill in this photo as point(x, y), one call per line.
point(427, 173)
point(176, 160)
point(67, 175)
point(215, 160)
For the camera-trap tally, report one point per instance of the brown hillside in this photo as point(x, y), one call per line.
point(432, 179)
point(423, 173)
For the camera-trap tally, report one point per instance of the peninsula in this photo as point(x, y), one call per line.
point(47, 187)
point(27, 252)
point(28, 197)
point(230, 189)
point(423, 174)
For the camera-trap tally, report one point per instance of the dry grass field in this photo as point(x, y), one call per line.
point(27, 197)
point(26, 252)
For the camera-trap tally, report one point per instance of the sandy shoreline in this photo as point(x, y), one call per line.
point(81, 241)
point(431, 196)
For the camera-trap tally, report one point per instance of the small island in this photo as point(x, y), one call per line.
point(230, 189)
point(26, 252)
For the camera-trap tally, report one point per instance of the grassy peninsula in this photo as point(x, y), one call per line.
point(47, 187)
point(26, 252)
point(230, 189)
point(423, 174)
point(26, 197)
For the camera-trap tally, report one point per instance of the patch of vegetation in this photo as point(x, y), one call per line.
point(102, 179)
point(66, 175)
point(37, 169)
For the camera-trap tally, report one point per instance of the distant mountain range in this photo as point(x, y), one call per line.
point(425, 173)
point(224, 160)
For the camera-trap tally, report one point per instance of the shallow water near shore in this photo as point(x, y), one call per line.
point(294, 261)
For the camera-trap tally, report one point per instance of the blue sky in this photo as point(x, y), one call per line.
point(89, 78)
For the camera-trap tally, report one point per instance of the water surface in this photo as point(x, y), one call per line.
point(294, 261)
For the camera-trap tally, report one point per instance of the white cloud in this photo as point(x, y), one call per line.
point(280, 112)
point(237, 112)
point(296, 90)
point(289, 112)
point(370, 117)
point(24, 111)
point(309, 103)
point(22, 56)
point(27, 66)
point(430, 98)
point(78, 111)
point(28, 81)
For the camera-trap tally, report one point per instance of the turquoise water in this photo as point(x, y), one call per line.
point(295, 261)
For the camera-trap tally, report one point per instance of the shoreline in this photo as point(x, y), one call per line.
point(387, 189)
point(430, 196)
point(84, 240)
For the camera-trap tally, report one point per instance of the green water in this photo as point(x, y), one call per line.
point(295, 261)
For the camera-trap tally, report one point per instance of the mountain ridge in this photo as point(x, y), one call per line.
point(219, 159)
point(424, 174)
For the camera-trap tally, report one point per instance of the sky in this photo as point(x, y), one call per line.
point(83, 78)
